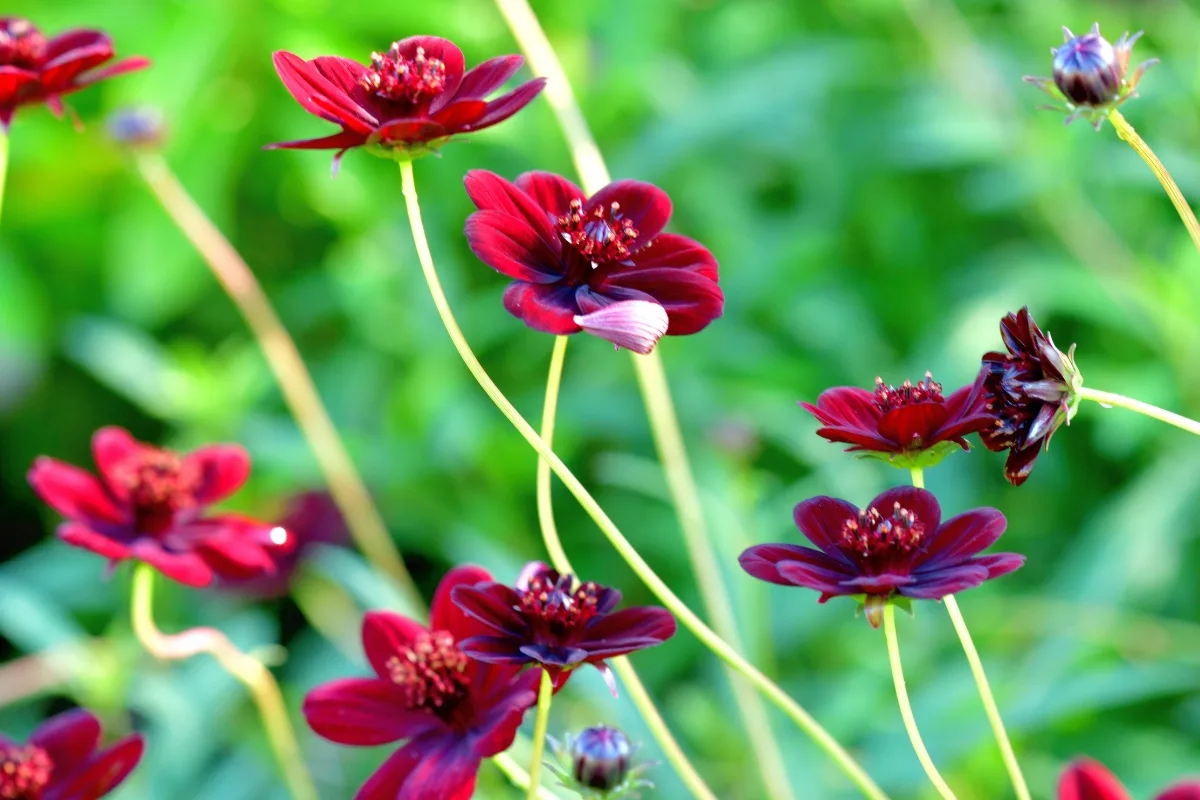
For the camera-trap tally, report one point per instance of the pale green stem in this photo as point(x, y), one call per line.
point(3, 165)
point(517, 775)
point(251, 672)
point(643, 570)
point(1110, 400)
point(918, 477)
point(910, 722)
point(540, 724)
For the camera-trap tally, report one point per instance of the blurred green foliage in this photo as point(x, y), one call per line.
point(879, 188)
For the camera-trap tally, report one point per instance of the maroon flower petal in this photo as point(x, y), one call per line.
point(235, 557)
point(111, 446)
point(549, 308)
point(78, 535)
point(823, 520)
point(998, 564)
point(74, 493)
point(105, 772)
point(495, 731)
point(319, 95)
point(494, 649)
point(122, 67)
point(443, 50)
point(846, 407)
point(762, 561)
point(68, 738)
point(884, 584)
point(223, 469)
point(919, 501)
point(551, 192)
point(914, 425)
point(506, 105)
point(75, 39)
point(13, 80)
point(444, 615)
point(644, 204)
point(963, 536)
point(459, 115)
point(691, 300)
point(384, 636)
point(815, 570)
point(1188, 790)
point(59, 74)
point(387, 781)
point(1019, 464)
point(493, 605)
point(188, 568)
point(672, 251)
point(364, 712)
point(336, 141)
point(511, 247)
point(1085, 779)
point(482, 80)
point(627, 630)
point(951, 580)
point(408, 132)
point(490, 192)
point(444, 773)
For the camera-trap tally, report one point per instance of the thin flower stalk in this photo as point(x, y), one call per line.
point(3, 166)
point(296, 384)
point(540, 725)
point(518, 777)
point(1110, 400)
point(643, 570)
point(251, 672)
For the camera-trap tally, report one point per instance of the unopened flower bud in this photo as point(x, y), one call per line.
point(137, 127)
point(601, 757)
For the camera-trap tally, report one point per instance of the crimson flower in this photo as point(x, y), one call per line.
point(576, 262)
point(34, 69)
point(549, 620)
point(147, 504)
point(451, 710)
point(1085, 779)
point(897, 548)
point(911, 425)
point(63, 761)
point(407, 101)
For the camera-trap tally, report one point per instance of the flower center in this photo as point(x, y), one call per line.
point(432, 671)
point(24, 772)
point(159, 483)
point(550, 599)
point(872, 534)
point(408, 80)
point(893, 397)
point(21, 44)
point(600, 236)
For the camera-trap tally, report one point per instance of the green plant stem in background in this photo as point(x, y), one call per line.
point(295, 383)
point(910, 722)
point(1127, 134)
point(643, 570)
point(541, 722)
point(251, 672)
point(517, 775)
point(3, 166)
point(1110, 400)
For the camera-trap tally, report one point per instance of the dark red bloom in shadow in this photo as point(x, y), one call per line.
point(1085, 779)
point(452, 710)
point(898, 545)
point(408, 101)
point(577, 261)
point(551, 620)
point(148, 504)
point(34, 69)
point(63, 761)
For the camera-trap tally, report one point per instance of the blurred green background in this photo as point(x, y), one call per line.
point(879, 188)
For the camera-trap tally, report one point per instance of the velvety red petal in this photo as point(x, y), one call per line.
point(489, 76)
point(938, 584)
point(691, 300)
point(444, 615)
point(495, 730)
point(112, 446)
point(998, 564)
point(122, 67)
point(919, 501)
point(106, 771)
point(188, 568)
point(490, 192)
point(75, 39)
point(859, 439)
point(550, 308)
point(68, 738)
point(78, 535)
point(493, 605)
point(1019, 464)
point(511, 247)
point(233, 557)
point(343, 73)
point(914, 425)
point(506, 105)
point(815, 570)
point(387, 781)
point(494, 649)
point(460, 115)
point(13, 80)
point(408, 132)
point(627, 630)
point(672, 251)
point(58, 73)
point(320, 96)
point(1188, 790)
point(364, 712)
point(644, 204)
point(846, 407)
point(551, 192)
point(337, 141)
point(962, 536)
point(763, 560)
point(822, 520)
point(443, 50)
point(385, 635)
point(1085, 779)
point(445, 773)
point(223, 469)
point(76, 494)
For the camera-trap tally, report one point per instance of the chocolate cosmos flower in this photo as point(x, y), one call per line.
point(1087, 780)
point(897, 546)
point(576, 262)
point(63, 761)
point(147, 504)
point(453, 711)
point(34, 69)
point(407, 101)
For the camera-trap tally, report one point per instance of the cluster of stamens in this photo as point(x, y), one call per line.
point(21, 44)
point(24, 772)
point(872, 534)
point(432, 671)
point(890, 397)
point(159, 483)
point(602, 235)
point(549, 597)
point(408, 80)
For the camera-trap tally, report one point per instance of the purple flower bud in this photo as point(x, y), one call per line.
point(137, 127)
point(1088, 69)
point(601, 757)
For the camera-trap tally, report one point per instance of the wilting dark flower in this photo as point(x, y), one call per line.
point(34, 69)
point(598, 763)
point(63, 761)
point(147, 504)
point(577, 262)
point(911, 425)
point(1030, 391)
point(407, 101)
point(1085, 779)
point(896, 548)
point(549, 620)
point(452, 710)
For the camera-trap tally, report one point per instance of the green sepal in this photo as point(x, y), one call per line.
point(915, 459)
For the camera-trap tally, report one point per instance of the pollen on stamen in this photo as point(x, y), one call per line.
point(892, 397)
point(601, 236)
point(551, 598)
point(431, 671)
point(409, 80)
point(24, 772)
point(872, 534)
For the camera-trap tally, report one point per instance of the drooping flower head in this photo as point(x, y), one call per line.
point(409, 101)
point(1084, 779)
point(599, 264)
point(63, 761)
point(897, 548)
point(1030, 391)
point(148, 504)
point(911, 425)
point(34, 69)
point(553, 620)
point(451, 710)
point(598, 763)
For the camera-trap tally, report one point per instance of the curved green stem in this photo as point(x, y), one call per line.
point(541, 723)
point(252, 673)
point(643, 570)
point(517, 775)
point(1128, 403)
point(3, 165)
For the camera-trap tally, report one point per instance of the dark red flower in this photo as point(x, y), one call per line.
point(1085, 779)
point(574, 261)
point(451, 710)
point(34, 69)
point(148, 504)
point(911, 425)
point(897, 546)
point(550, 620)
point(408, 101)
point(1030, 391)
point(63, 761)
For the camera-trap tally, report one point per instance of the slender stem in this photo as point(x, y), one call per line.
point(989, 702)
point(252, 673)
point(542, 721)
point(1137, 406)
point(3, 165)
point(299, 392)
point(517, 775)
point(1127, 134)
point(918, 477)
point(643, 570)
point(910, 723)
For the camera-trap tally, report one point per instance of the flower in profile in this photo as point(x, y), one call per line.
point(451, 710)
point(896, 549)
point(63, 761)
point(1030, 390)
point(1085, 779)
point(34, 69)
point(911, 425)
point(599, 763)
point(148, 504)
point(407, 102)
point(553, 620)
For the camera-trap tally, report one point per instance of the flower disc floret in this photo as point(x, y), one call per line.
point(431, 670)
point(24, 772)
point(64, 760)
